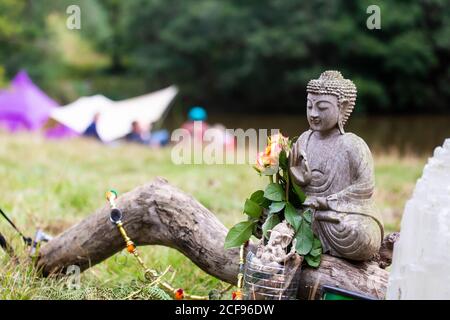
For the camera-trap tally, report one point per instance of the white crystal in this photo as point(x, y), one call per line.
point(421, 260)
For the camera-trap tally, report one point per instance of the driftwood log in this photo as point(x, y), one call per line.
point(160, 214)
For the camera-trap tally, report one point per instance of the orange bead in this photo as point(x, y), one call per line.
point(179, 294)
point(131, 248)
point(236, 295)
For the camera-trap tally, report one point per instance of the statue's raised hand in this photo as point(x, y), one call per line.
point(317, 203)
point(299, 167)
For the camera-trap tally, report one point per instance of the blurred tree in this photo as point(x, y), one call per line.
point(2, 77)
point(34, 36)
point(254, 55)
point(13, 31)
point(236, 55)
point(115, 43)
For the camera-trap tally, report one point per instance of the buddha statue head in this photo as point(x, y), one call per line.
point(330, 101)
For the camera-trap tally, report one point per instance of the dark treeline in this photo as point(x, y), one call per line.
point(252, 56)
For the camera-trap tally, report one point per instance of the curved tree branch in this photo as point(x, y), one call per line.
point(160, 214)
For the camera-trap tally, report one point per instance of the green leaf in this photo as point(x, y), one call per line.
point(271, 221)
point(313, 261)
point(239, 234)
point(258, 197)
point(308, 215)
point(292, 216)
point(276, 207)
point(299, 192)
point(274, 192)
point(305, 238)
point(252, 209)
point(316, 252)
point(283, 160)
point(316, 243)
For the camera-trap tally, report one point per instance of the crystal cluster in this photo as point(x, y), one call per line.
point(421, 260)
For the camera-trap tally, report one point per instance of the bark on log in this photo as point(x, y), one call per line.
point(160, 214)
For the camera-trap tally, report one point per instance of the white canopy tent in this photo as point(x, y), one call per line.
point(79, 114)
point(115, 118)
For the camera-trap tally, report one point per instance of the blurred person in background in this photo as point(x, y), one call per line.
point(222, 137)
point(159, 138)
point(196, 125)
point(91, 131)
point(139, 133)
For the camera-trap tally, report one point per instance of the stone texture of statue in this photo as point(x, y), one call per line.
point(274, 253)
point(335, 170)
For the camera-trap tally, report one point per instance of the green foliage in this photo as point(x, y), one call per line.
point(265, 52)
point(304, 238)
point(299, 192)
point(292, 217)
point(258, 197)
point(127, 291)
point(239, 234)
point(2, 77)
point(276, 206)
point(313, 258)
point(274, 192)
point(307, 215)
point(307, 244)
point(316, 248)
point(313, 261)
point(252, 209)
point(281, 207)
point(271, 221)
point(242, 55)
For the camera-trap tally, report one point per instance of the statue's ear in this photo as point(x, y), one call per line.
point(344, 104)
point(286, 240)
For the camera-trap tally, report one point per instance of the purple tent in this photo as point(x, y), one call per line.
point(23, 106)
point(60, 131)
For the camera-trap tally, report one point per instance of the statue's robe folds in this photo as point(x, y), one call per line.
point(342, 172)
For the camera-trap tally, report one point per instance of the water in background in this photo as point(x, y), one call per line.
point(417, 135)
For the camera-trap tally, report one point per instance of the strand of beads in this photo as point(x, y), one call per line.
point(150, 274)
point(238, 295)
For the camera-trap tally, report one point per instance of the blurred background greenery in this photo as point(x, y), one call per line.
point(246, 56)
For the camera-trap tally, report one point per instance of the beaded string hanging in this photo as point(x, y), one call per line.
point(238, 294)
point(150, 274)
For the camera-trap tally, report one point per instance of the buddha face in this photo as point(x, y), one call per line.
point(322, 111)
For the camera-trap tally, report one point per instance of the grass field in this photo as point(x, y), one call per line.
point(53, 185)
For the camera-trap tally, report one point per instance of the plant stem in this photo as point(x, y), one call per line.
point(271, 179)
point(287, 186)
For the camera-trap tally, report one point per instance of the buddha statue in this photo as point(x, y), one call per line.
point(335, 170)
